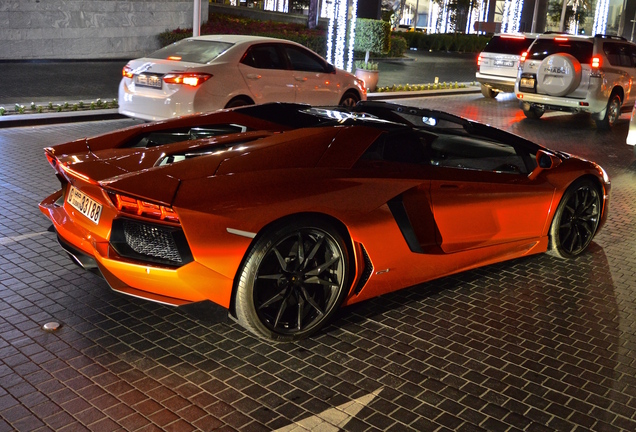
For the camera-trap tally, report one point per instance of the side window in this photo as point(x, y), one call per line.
point(476, 154)
point(632, 54)
point(302, 60)
point(618, 54)
point(401, 147)
point(263, 57)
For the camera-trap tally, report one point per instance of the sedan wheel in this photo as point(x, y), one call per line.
point(349, 99)
point(293, 281)
point(576, 220)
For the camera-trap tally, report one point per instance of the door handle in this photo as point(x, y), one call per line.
point(300, 78)
point(253, 76)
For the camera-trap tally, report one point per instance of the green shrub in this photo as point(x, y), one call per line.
point(398, 46)
point(372, 36)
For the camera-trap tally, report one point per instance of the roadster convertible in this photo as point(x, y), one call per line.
point(279, 214)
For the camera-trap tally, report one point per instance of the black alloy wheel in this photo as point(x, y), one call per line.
point(292, 282)
point(576, 220)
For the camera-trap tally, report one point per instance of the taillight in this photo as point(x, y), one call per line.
point(561, 39)
point(523, 57)
point(137, 207)
point(192, 78)
point(596, 62)
point(127, 72)
point(479, 60)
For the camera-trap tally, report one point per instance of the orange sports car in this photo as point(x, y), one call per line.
point(280, 214)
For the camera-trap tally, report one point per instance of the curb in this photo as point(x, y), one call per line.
point(423, 93)
point(20, 120)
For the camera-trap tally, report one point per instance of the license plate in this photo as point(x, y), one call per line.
point(505, 63)
point(526, 82)
point(84, 204)
point(148, 80)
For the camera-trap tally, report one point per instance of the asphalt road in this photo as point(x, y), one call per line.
point(64, 81)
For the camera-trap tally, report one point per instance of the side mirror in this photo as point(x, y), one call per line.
point(545, 161)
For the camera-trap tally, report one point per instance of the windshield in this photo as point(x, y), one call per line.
point(580, 49)
point(508, 45)
point(191, 50)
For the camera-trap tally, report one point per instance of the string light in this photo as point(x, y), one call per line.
point(600, 17)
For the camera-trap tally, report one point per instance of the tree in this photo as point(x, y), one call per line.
point(575, 13)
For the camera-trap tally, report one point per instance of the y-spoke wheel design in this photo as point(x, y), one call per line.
point(350, 99)
point(292, 281)
point(576, 220)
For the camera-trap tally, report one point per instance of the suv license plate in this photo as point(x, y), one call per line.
point(86, 205)
point(505, 63)
point(526, 83)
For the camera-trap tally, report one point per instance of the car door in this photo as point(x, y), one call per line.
point(267, 74)
point(316, 84)
point(481, 194)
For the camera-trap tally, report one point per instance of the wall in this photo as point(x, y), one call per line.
point(69, 29)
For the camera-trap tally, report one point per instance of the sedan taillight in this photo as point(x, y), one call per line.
point(127, 72)
point(187, 78)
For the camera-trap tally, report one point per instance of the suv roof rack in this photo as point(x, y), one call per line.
point(606, 36)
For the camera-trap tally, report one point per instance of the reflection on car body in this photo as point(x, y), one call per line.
point(281, 213)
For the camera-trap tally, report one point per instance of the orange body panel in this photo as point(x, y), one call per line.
point(416, 222)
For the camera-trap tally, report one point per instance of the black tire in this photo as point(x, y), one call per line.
point(293, 280)
point(488, 92)
point(349, 99)
point(576, 219)
point(532, 112)
point(612, 113)
point(238, 102)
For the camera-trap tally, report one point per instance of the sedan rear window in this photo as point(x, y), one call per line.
point(193, 51)
point(580, 49)
point(508, 45)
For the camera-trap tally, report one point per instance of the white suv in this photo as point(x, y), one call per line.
point(575, 73)
point(498, 63)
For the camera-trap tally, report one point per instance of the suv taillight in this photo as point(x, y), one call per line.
point(596, 62)
point(479, 60)
point(523, 57)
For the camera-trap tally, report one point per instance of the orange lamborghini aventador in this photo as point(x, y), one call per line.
point(282, 213)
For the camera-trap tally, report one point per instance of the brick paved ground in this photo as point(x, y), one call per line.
point(535, 344)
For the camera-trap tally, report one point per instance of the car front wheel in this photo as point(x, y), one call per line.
point(293, 280)
point(576, 220)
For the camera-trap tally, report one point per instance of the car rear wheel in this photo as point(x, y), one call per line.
point(293, 280)
point(238, 102)
point(349, 99)
point(612, 113)
point(488, 92)
point(531, 112)
point(576, 220)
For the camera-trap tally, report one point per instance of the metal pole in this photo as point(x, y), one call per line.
point(417, 8)
point(196, 18)
point(534, 16)
point(561, 26)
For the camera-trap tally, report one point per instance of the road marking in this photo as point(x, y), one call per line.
point(8, 240)
point(333, 419)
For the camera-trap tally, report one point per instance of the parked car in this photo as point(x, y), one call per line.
point(207, 73)
point(575, 73)
point(281, 213)
point(498, 63)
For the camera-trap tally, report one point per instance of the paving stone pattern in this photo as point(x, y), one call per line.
point(535, 344)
